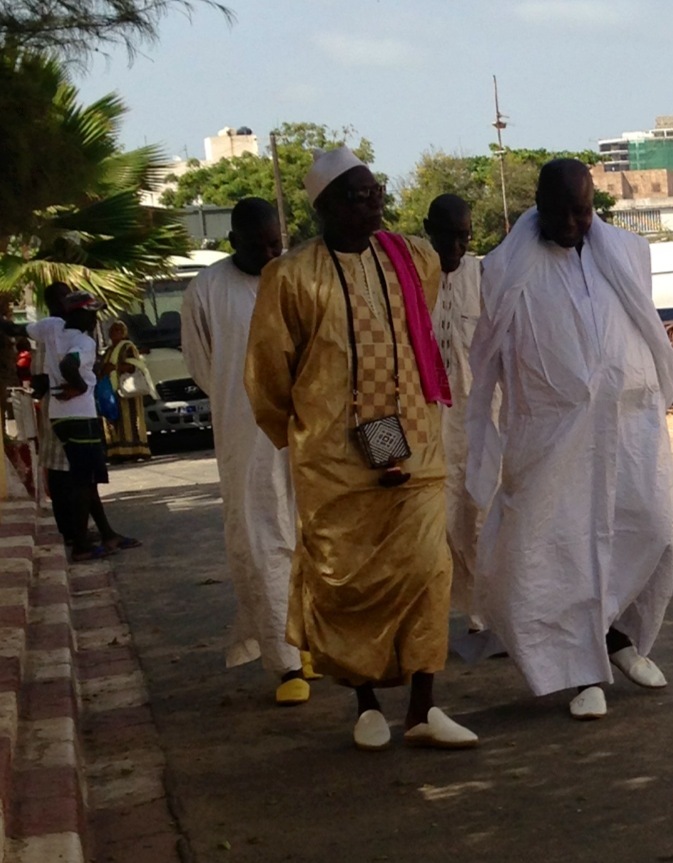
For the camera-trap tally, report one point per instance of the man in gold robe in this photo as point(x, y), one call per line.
point(371, 574)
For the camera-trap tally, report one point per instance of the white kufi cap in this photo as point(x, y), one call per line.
point(327, 166)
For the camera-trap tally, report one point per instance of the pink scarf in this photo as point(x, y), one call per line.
point(431, 369)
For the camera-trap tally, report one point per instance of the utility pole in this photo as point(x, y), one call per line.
point(280, 202)
point(499, 125)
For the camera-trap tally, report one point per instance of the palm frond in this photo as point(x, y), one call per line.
point(118, 289)
point(73, 199)
point(142, 168)
point(119, 213)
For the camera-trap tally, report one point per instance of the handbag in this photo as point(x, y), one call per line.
point(106, 400)
point(382, 440)
point(133, 384)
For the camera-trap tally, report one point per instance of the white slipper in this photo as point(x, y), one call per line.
point(371, 731)
point(589, 704)
point(440, 732)
point(639, 669)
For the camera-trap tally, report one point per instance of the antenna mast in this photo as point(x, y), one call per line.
point(499, 125)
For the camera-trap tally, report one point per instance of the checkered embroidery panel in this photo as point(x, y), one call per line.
point(375, 354)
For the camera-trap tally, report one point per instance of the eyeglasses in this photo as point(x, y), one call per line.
point(365, 193)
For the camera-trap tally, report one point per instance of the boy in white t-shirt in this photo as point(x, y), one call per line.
point(70, 357)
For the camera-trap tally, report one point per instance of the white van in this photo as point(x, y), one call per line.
point(154, 324)
point(661, 255)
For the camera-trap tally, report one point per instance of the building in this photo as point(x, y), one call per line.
point(227, 144)
point(639, 151)
point(638, 172)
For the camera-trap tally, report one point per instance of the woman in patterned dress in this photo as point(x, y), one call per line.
point(126, 437)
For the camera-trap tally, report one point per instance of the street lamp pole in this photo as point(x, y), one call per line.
point(499, 125)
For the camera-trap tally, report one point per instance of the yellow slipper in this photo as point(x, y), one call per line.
point(307, 666)
point(293, 691)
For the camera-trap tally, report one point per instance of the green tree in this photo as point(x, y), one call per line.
point(77, 29)
point(436, 173)
point(229, 180)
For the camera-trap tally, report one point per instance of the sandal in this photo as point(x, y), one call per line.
point(96, 552)
point(122, 543)
point(293, 691)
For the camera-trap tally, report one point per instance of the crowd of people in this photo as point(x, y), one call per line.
point(401, 429)
point(488, 436)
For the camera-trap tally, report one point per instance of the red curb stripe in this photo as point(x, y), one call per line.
point(48, 699)
point(10, 673)
point(12, 615)
point(49, 636)
point(5, 771)
point(41, 783)
point(96, 617)
point(49, 594)
point(87, 583)
point(30, 817)
point(14, 579)
point(24, 551)
point(94, 656)
point(52, 561)
point(16, 529)
point(111, 668)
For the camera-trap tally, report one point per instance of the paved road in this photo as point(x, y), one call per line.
point(258, 784)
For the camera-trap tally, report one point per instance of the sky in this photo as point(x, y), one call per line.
point(409, 75)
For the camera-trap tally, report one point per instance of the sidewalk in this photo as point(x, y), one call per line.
point(81, 772)
point(43, 790)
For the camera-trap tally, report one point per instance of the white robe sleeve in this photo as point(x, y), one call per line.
point(484, 442)
point(196, 338)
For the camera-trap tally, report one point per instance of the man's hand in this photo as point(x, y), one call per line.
point(40, 385)
point(74, 384)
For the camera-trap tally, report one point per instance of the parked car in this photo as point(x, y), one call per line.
point(154, 326)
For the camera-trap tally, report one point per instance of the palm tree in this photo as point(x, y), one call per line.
point(72, 207)
point(73, 200)
point(52, 145)
point(107, 244)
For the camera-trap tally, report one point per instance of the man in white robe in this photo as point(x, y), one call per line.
point(455, 316)
point(258, 502)
point(575, 563)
